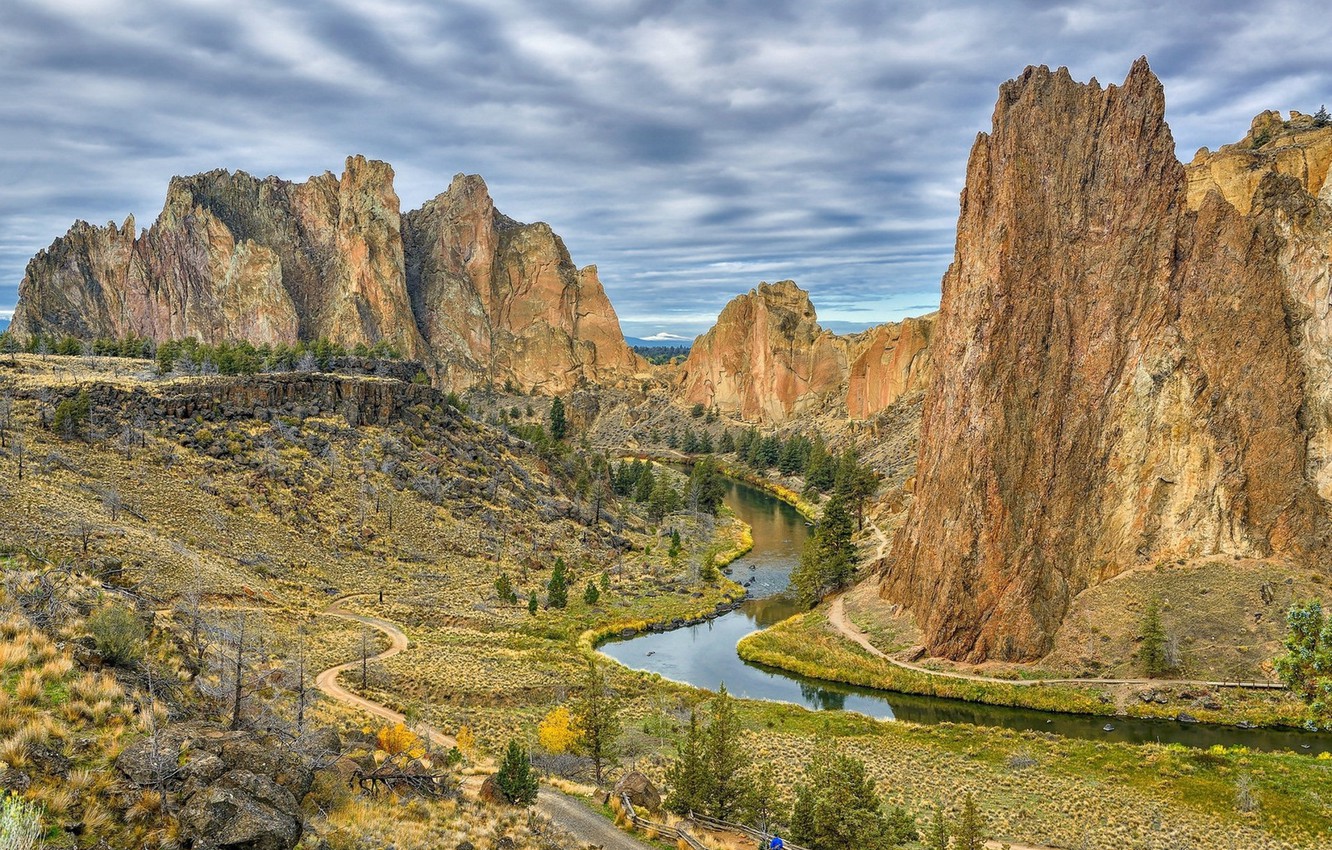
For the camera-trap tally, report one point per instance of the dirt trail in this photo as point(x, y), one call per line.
point(564, 810)
point(849, 630)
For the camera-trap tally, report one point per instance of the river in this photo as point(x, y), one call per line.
point(704, 656)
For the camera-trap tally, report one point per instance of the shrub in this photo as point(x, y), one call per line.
point(71, 415)
point(20, 824)
point(118, 634)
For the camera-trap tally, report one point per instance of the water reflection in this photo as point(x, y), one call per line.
point(704, 656)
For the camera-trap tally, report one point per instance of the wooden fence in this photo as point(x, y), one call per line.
point(681, 834)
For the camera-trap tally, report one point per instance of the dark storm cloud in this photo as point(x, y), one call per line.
point(688, 148)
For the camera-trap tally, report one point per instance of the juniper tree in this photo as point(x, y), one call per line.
point(1306, 668)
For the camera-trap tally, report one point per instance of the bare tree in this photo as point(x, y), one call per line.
point(20, 451)
point(6, 417)
point(189, 611)
point(113, 503)
point(365, 655)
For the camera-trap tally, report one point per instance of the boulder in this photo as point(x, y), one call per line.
point(640, 791)
point(241, 811)
point(491, 793)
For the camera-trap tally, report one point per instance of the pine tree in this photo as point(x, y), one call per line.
point(516, 779)
point(829, 560)
point(687, 777)
point(726, 444)
point(936, 837)
point(557, 590)
point(559, 425)
point(643, 487)
point(1153, 654)
point(591, 594)
point(597, 717)
point(968, 835)
point(532, 603)
point(664, 500)
point(727, 759)
point(504, 588)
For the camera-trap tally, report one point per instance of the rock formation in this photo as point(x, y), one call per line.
point(1131, 365)
point(475, 295)
point(767, 360)
point(497, 297)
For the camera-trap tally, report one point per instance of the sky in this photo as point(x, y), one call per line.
point(689, 149)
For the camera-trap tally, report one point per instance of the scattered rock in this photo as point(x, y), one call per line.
point(242, 811)
point(640, 790)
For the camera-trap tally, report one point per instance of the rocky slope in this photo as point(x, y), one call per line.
point(767, 360)
point(1130, 368)
point(476, 295)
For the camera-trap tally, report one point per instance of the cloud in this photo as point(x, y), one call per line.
point(664, 336)
point(689, 149)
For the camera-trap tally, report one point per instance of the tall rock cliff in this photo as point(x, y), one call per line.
point(767, 360)
point(496, 297)
point(457, 285)
point(1129, 365)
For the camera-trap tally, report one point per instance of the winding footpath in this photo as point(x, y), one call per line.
point(564, 810)
point(849, 630)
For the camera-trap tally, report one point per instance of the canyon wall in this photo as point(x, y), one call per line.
point(1129, 365)
point(475, 295)
point(767, 360)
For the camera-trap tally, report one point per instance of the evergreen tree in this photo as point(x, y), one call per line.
point(687, 776)
point(643, 486)
point(1321, 118)
point(837, 805)
point(504, 588)
point(705, 443)
point(559, 425)
point(557, 590)
point(516, 779)
point(532, 603)
point(726, 444)
point(1153, 654)
point(820, 468)
point(856, 483)
point(968, 835)
point(597, 716)
point(707, 487)
point(591, 594)
point(689, 443)
point(936, 837)
point(829, 560)
point(664, 500)
point(728, 783)
point(1306, 668)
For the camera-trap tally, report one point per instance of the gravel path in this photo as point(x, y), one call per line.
point(565, 811)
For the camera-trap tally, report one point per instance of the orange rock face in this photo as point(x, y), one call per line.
point(457, 285)
point(1121, 376)
point(767, 360)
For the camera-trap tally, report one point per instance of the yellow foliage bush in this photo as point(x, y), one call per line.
point(557, 733)
point(399, 740)
point(466, 741)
